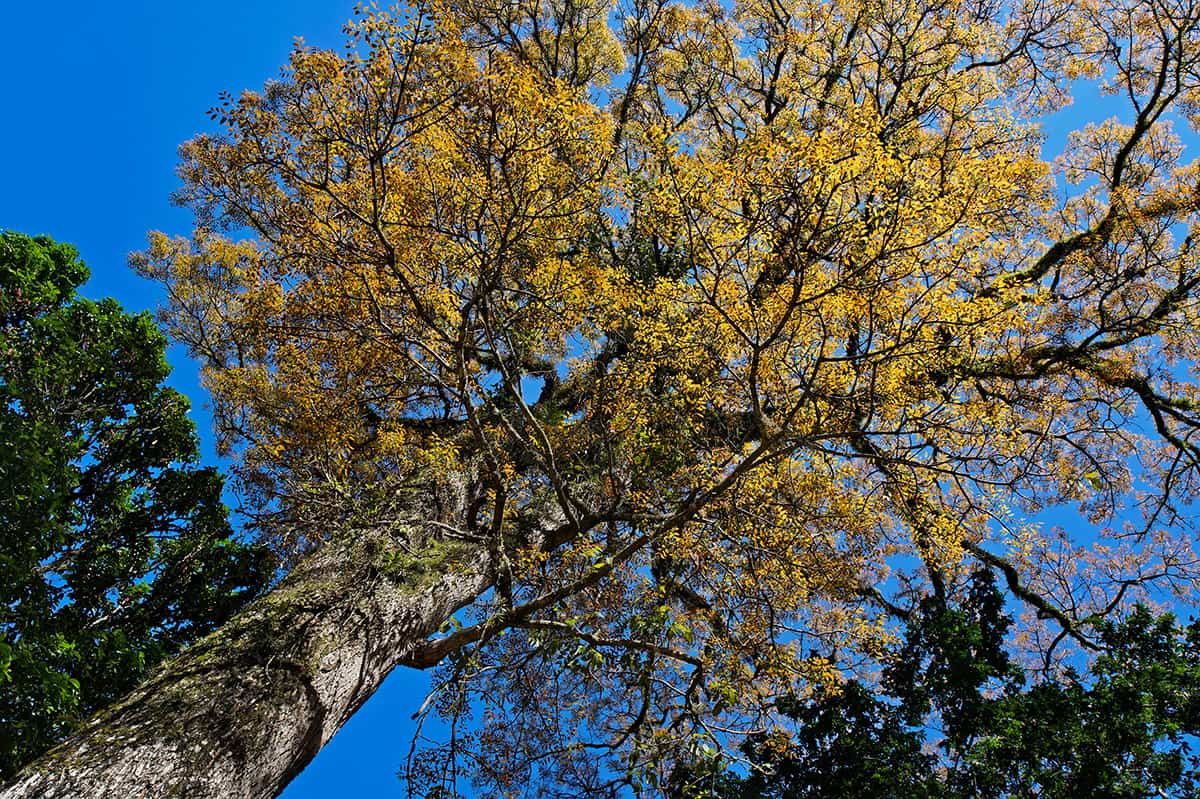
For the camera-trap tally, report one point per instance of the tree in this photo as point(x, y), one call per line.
point(1120, 731)
point(690, 346)
point(116, 549)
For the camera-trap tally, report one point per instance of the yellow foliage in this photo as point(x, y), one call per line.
point(770, 317)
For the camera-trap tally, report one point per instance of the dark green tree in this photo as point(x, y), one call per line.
point(115, 547)
point(954, 717)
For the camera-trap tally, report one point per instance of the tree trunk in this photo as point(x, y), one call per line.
point(241, 712)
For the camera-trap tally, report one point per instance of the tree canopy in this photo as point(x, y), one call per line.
point(718, 337)
point(115, 547)
point(953, 716)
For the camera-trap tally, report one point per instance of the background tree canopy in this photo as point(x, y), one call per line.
point(640, 364)
point(954, 716)
point(115, 549)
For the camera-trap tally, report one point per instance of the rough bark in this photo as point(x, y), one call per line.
point(241, 712)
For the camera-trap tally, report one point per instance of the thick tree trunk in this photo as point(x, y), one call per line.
point(241, 712)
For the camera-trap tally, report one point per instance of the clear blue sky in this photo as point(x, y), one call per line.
point(97, 97)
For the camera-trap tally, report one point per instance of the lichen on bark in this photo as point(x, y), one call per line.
point(242, 711)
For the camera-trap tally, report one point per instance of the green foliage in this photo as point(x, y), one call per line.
point(115, 547)
point(1121, 731)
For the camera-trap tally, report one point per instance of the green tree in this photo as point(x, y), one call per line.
point(954, 718)
point(115, 547)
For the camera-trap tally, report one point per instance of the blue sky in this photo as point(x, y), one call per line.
point(97, 98)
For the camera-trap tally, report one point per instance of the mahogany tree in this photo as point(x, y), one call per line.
point(690, 345)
